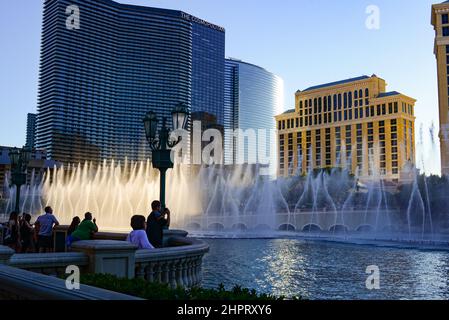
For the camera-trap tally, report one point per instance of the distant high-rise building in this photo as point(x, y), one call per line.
point(31, 130)
point(353, 124)
point(253, 96)
point(98, 81)
point(440, 21)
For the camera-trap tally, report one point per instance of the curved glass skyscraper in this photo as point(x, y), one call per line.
point(253, 96)
point(98, 81)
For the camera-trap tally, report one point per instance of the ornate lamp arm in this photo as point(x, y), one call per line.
point(154, 144)
point(173, 143)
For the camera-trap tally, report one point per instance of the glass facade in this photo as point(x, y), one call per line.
point(208, 71)
point(31, 130)
point(98, 81)
point(253, 96)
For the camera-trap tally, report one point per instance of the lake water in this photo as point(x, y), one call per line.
point(325, 270)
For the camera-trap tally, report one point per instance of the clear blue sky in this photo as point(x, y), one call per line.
point(306, 42)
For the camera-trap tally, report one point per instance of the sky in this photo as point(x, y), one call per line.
point(306, 42)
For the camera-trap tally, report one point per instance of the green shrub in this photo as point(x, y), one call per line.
point(156, 291)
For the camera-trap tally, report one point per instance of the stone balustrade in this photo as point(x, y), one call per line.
point(18, 284)
point(121, 236)
point(52, 264)
point(177, 265)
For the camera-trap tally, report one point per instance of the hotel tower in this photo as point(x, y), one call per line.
point(354, 124)
point(440, 21)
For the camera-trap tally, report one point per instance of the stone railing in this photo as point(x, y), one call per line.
point(52, 264)
point(60, 234)
point(121, 236)
point(17, 284)
point(178, 265)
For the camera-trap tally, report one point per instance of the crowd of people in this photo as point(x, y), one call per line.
point(25, 237)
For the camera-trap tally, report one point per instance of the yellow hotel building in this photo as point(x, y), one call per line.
point(440, 21)
point(353, 124)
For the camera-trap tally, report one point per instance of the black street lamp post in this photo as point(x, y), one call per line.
point(160, 142)
point(19, 162)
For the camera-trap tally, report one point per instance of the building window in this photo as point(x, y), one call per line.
point(445, 18)
point(445, 31)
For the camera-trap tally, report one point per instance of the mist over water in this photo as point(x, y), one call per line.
point(239, 201)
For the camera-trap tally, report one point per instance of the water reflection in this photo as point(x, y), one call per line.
point(320, 270)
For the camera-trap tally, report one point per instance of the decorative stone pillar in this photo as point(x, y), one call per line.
point(5, 254)
point(149, 272)
point(172, 276)
point(109, 256)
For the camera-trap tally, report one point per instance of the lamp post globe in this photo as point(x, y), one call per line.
point(150, 123)
point(180, 116)
point(19, 163)
point(26, 156)
point(14, 157)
